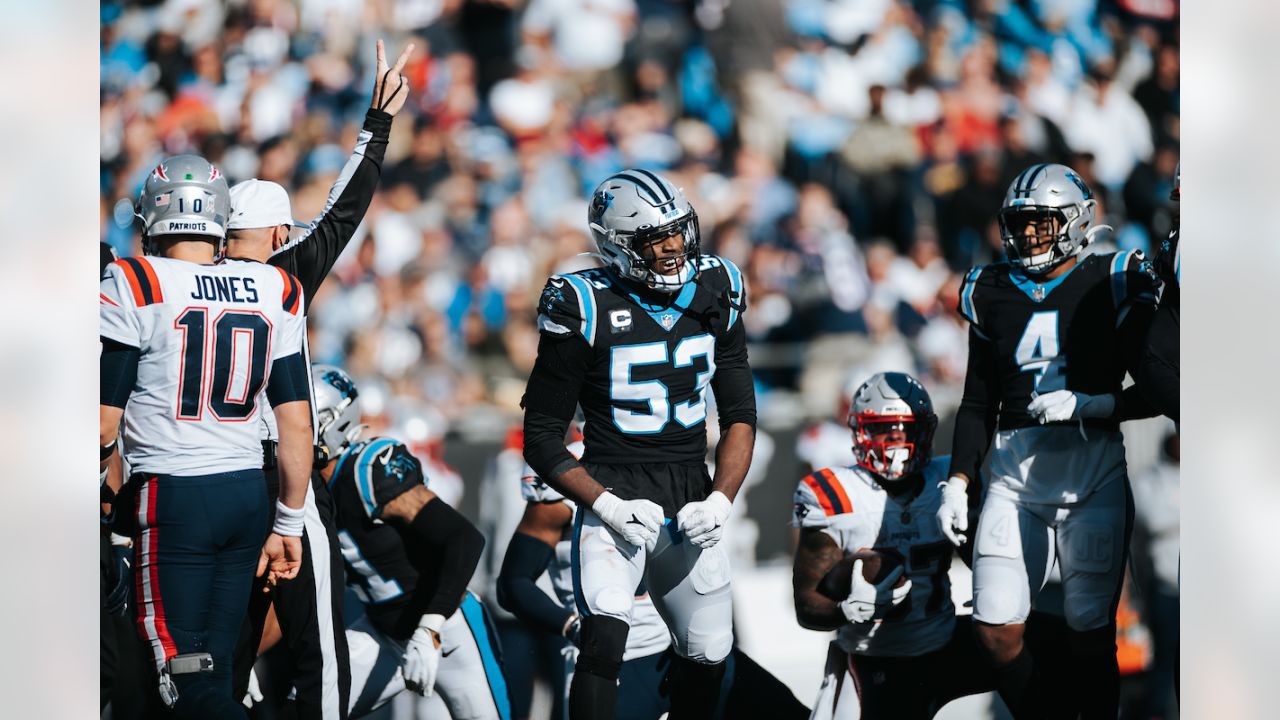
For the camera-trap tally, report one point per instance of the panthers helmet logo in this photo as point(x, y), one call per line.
point(342, 384)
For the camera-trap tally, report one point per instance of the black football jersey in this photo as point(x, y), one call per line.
point(1056, 335)
point(383, 565)
point(652, 358)
point(1169, 269)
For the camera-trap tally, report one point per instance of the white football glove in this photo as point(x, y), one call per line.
point(421, 659)
point(953, 516)
point(703, 521)
point(637, 521)
point(254, 693)
point(1064, 405)
point(864, 598)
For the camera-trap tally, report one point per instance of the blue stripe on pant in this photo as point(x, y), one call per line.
point(486, 638)
point(200, 537)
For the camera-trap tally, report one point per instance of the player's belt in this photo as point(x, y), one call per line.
point(268, 454)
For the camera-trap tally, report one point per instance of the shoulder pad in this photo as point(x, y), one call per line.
point(819, 498)
point(722, 276)
point(568, 306)
point(534, 490)
point(1133, 278)
point(291, 295)
point(141, 278)
point(383, 469)
point(969, 295)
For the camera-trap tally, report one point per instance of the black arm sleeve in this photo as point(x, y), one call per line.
point(550, 399)
point(289, 381)
point(732, 384)
point(459, 545)
point(527, 558)
point(118, 368)
point(311, 257)
point(979, 408)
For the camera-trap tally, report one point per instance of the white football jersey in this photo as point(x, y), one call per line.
point(208, 335)
point(648, 634)
point(850, 505)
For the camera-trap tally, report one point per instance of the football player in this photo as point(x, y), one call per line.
point(900, 651)
point(542, 543)
point(309, 609)
point(188, 349)
point(1048, 337)
point(1158, 370)
point(637, 344)
point(409, 556)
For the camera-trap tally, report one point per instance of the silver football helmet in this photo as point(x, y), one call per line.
point(893, 422)
point(634, 208)
point(1047, 203)
point(337, 410)
point(185, 195)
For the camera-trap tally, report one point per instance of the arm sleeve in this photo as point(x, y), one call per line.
point(312, 256)
point(289, 381)
point(732, 384)
point(118, 367)
point(518, 593)
point(459, 546)
point(976, 418)
point(550, 400)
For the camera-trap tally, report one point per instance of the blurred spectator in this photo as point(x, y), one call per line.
point(879, 155)
point(849, 155)
point(1110, 124)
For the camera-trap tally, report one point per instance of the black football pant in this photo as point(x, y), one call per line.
point(196, 548)
point(309, 610)
point(914, 688)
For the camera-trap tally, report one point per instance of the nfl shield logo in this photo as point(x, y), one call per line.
point(1038, 293)
point(667, 320)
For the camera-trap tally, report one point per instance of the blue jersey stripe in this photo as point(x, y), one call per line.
point(575, 566)
point(587, 303)
point(967, 306)
point(735, 285)
point(1119, 281)
point(364, 473)
point(473, 612)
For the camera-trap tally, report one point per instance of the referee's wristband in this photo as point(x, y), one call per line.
point(289, 521)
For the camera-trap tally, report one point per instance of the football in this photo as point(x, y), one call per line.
point(875, 566)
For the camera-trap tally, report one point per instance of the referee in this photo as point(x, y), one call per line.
point(309, 607)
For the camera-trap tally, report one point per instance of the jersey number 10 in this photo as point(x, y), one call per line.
point(240, 343)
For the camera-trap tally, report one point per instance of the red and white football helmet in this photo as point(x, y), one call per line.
point(893, 422)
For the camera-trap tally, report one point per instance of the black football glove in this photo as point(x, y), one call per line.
point(120, 576)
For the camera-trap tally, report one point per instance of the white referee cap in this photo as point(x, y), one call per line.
point(258, 204)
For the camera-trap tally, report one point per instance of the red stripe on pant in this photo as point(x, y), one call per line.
point(150, 622)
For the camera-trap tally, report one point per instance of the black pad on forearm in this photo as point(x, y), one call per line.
point(460, 545)
point(527, 558)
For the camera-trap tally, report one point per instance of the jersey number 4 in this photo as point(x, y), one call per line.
point(1039, 352)
point(655, 392)
point(240, 343)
